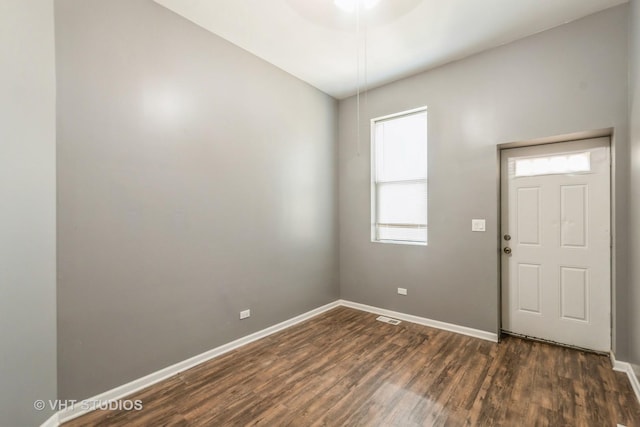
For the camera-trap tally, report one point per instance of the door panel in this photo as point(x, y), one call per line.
point(574, 285)
point(528, 216)
point(573, 211)
point(529, 288)
point(555, 209)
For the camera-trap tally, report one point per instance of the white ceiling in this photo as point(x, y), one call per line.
point(318, 43)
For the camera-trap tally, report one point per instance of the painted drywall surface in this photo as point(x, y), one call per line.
point(27, 212)
point(195, 181)
point(569, 79)
point(634, 199)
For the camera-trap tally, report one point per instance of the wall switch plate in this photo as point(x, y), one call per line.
point(244, 314)
point(478, 225)
point(402, 291)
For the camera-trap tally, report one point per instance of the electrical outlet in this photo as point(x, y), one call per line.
point(244, 314)
point(402, 291)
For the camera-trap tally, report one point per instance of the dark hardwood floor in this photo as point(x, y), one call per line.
point(344, 368)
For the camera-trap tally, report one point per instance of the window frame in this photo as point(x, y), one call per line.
point(374, 183)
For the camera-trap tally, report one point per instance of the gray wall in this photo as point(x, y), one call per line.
point(569, 79)
point(195, 181)
point(27, 211)
point(634, 199)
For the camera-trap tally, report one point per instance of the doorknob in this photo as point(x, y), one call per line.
point(507, 237)
point(507, 250)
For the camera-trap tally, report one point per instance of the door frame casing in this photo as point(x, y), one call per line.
point(596, 133)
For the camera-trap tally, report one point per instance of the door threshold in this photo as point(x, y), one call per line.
point(559, 344)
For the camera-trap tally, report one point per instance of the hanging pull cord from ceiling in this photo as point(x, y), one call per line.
point(361, 68)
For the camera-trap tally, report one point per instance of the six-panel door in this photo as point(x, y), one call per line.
point(556, 215)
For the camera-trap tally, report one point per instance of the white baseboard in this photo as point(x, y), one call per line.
point(155, 377)
point(127, 389)
point(476, 333)
point(627, 369)
point(136, 385)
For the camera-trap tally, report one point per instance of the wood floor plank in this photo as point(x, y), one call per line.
point(345, 368)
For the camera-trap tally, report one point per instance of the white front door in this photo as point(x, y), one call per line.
point(556, 241)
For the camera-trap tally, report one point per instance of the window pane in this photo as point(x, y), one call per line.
point(401, 149)
point(571, 163)
point(402, 203)
point(399, 178)
point(403, 234)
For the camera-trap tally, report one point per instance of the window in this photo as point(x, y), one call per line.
point(563, 164)
point(399, 178)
